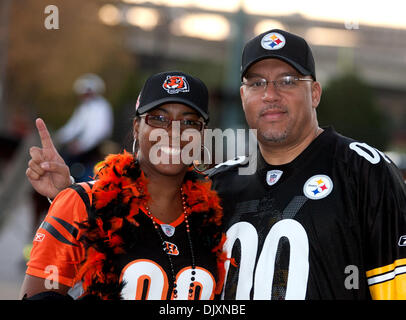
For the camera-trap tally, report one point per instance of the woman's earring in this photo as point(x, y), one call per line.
point(134, 146)
point(201, 166)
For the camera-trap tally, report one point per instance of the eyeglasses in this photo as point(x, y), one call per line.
point(164, 122)
point(285, 83)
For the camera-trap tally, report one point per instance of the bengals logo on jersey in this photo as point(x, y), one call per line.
point(171, 248)
point(175, 84)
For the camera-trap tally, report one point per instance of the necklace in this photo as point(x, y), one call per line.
point(166, 250)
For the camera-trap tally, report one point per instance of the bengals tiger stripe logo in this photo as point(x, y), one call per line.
point(171, 248)
point(175, 84)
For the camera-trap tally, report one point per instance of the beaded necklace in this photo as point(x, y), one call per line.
point(165, 249)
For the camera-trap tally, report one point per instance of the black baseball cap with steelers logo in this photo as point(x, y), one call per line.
point(173, 87)
point(279, 44)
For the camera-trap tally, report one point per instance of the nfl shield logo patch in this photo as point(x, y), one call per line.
point(273, 177)
point(168, 229)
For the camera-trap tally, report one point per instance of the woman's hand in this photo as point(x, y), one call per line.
point(47, 171)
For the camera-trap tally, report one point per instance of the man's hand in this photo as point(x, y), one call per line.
point(47, 171)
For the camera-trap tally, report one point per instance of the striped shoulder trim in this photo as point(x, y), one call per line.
point(388, 282)
point(386, 273)
point(84, 189)
point(228, 165)
point(56, 234)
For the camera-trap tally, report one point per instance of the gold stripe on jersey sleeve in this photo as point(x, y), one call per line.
point(394, 289)
point(388, 282)
point(384, 269)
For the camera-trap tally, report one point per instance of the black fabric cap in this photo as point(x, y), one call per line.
point(173, 87)
point(279, 44)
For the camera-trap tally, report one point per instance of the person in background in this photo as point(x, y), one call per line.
point(90, 125)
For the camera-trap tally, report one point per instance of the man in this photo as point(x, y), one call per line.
point(323, 216)
point(90, 125)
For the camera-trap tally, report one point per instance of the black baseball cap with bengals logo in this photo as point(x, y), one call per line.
point(279, 44)
point(175, 87)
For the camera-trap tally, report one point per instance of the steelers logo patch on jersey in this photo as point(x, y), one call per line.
point(273, 41)
point(318, 187)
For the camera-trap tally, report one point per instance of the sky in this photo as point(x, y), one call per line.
point(388, 13)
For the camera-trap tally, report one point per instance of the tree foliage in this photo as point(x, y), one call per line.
point(349, 105)
point(43, 64)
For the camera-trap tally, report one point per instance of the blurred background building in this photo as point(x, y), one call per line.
point(359, 48)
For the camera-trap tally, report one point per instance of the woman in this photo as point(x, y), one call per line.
point(149, 227)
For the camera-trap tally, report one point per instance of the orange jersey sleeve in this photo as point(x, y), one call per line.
point(56, 245)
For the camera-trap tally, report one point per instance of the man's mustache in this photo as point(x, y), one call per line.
point(273, 108)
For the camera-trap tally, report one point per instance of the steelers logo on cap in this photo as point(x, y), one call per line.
point(273, 41)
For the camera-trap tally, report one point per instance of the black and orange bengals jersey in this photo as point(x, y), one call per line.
point(331, 224)
point(146, 270)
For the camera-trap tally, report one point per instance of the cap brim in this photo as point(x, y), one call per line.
point(160, 102)
point(295, 65)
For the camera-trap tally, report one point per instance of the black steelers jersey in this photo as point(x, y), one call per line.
point(331, 224)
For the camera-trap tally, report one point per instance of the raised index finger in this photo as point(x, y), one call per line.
point(46, 140)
